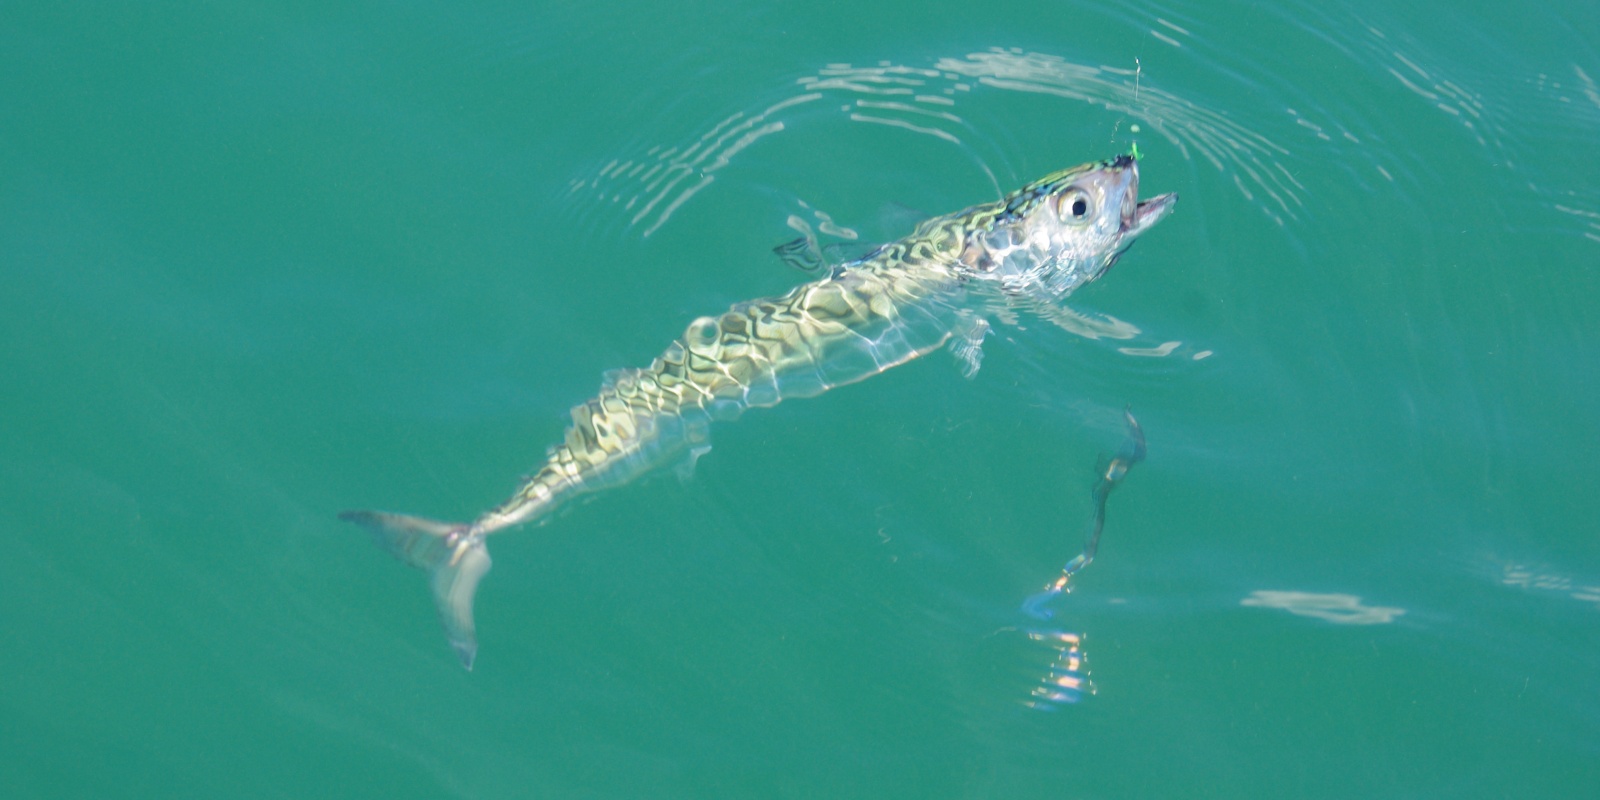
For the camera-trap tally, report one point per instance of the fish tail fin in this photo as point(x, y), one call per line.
point(454, 558)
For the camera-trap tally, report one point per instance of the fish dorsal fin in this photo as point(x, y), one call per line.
point(803, 254)
point(829, 246)
point(813, 258)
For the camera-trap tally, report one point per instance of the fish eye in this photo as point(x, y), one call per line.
point(1074, 205)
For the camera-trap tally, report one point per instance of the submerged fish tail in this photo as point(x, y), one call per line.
point(454, 557)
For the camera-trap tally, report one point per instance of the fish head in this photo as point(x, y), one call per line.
point(1064, 230)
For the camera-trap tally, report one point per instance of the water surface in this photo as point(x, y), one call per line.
point(263, 265)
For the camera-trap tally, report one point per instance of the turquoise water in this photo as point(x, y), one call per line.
point(264, 264)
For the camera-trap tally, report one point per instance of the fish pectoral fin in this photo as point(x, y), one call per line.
point(1089, 325)
point(966, 344)
point(454, 558)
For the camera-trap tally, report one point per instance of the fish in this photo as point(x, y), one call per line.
point(938, 287)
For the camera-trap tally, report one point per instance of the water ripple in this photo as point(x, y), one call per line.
point(1513, 113)
point(930, 101)
point(1249, 158)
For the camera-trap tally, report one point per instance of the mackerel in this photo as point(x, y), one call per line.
point(938, 287)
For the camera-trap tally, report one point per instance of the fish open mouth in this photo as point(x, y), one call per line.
point(1138, 215)
point(1147, 213)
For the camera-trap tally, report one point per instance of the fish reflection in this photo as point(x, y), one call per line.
point(1541, 579)
point(1066, 680)
point(1340, 609)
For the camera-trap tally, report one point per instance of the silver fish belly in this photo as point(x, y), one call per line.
point(938, 286)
